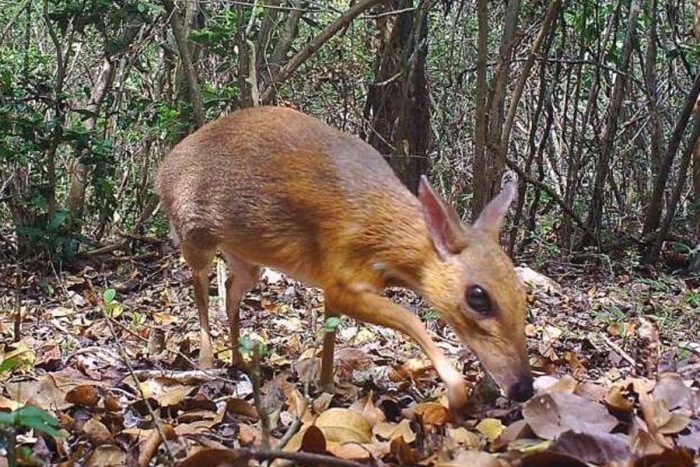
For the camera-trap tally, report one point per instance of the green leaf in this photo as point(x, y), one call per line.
point(245, 344)
point(331, 324)
point(38, 419)
point(9, 364)
point(7, 418)
point(58, 218)
point(108, 296)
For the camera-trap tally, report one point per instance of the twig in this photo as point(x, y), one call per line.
point(254, 376)
point(619, 350)
point(126, 363)
point(18, 302)
point(179, 376)
point(107, 355)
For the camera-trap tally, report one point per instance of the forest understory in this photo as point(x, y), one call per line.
point(615, 351)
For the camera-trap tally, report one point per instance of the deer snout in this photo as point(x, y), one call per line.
point(522, 390)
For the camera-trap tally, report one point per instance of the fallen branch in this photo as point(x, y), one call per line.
point(619, 351)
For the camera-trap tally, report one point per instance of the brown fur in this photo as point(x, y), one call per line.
point(271, 186)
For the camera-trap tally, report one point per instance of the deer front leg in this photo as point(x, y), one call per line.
point(370, 308)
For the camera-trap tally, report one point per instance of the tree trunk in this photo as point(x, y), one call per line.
point(490, 159)
point(398, 104)
point(188, 67)
point(595, 209)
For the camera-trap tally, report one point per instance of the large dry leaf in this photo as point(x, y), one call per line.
point(368, 410)
point(391, 431)
point(593, 448)
point(344, 425)
point(672, 390)
point(44, 393)
point(549, 415)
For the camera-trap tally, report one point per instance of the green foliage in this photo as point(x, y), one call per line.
point(331, 324)
point(247, 347)
point(18, 421)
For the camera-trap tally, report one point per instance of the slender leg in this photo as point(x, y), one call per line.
point(327, 354)
point(200, 260)
point(371, 308)
point(242, 278)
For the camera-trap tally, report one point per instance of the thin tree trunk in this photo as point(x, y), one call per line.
point(655, 206)
point(490, 162)
point(654, 252)
point(696, 153)
point(316, 43)
point(595, 210)
point(78, 171)
point(187, 65)
point(480, 130)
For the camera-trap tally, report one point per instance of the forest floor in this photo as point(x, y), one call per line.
point(109, 349)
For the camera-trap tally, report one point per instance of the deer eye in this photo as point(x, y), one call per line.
point(478, 299)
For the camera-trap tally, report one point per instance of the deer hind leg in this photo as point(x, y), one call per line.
point(242, 278)
point(199, 259)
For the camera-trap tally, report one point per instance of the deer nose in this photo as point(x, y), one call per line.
point(522, 390)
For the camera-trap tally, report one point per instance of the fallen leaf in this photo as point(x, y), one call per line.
point(85, 395)
point(404, 453)
point(431, 413)
point(491, 428)
point(215, 457)
point(549, 415)
point(391, 431)
point(106, 456)
point(96, 432)
point(592, 448)
point(343, 425)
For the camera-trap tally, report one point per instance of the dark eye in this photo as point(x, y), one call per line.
point(478, 299)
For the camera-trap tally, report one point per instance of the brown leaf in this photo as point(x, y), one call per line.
point(549, 415)
point(404, 453)
point(593, 448)
point(85, 395)
point(313, 441)
point(217, 457)
point(431, 413)
point(617, 402)
point(367, 409)
point(96, 432)
point(106, 456)
point(241, 407)
point(668, 458)
point(247, 435)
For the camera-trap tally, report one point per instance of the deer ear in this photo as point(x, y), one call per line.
point(446, 230)
point(491, 218)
